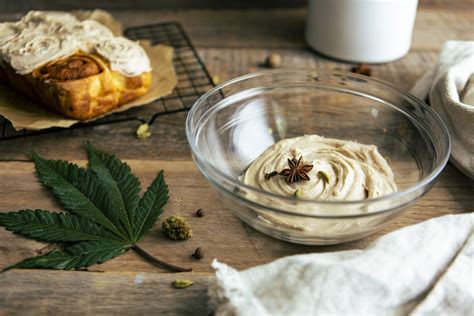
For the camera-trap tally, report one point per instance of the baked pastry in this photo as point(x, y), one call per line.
point(76, 68)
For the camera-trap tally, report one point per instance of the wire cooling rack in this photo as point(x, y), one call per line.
point(193, 81)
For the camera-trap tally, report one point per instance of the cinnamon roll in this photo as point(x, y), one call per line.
point(76, 68)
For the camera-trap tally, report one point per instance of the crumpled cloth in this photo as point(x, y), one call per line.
point(450, 90)
point(424, 269)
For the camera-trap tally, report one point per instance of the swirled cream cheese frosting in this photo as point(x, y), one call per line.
point(43, 36)
point(8, 31)
point(25, 53)
point(330, 169)
point(121, 53)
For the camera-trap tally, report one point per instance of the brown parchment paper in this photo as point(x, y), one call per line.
point(102, 16)
point(24, 113)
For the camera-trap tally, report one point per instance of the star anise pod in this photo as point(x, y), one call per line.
point(297, 171)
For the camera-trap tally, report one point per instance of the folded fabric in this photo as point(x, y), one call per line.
point(450, 90)
point(424, 269)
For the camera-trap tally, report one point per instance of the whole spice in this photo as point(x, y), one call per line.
point(177, 227)
point(198, 254)
point(323, 175)
point(273, 61)
point(298, 193)
point(182, 283)
point(270, 175)
point(362, 69)
point(200, 212)
point(297, 171)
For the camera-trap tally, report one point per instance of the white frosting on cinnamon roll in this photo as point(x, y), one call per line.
point(88, 33)
point(124, 55)
point(30, 51)
point(43, 36)
point(8, 32)
point(50, 17)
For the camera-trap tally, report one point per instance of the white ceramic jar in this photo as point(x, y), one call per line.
point(366, 31)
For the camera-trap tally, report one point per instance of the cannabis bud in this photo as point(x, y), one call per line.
point(177, 227)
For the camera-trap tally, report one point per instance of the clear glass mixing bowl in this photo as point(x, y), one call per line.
point(232, 124)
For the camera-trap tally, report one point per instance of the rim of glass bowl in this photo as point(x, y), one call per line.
point(190, 134)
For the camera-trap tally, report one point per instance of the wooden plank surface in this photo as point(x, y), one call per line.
point(231, 43)
point(219, 233)
point(283, 28)
point(128, 285)
point(234, 43)
point(168, 141)
point(12, 6)
point(92, 293)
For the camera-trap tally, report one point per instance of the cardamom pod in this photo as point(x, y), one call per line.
point(299, 193)
point(323, 175)
point(182, 283)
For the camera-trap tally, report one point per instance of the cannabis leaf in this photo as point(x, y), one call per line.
point(105, 214)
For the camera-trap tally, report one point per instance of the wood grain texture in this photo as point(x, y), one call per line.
point(234, 43)
point(82, 293)
point(283, 28)
point(131, 286)
point(231, 43)
point(219, 233)
point(168, 141)
point(11, 6)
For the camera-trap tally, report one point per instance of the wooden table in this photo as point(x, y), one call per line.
point(231, 43)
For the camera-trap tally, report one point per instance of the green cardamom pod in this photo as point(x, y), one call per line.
point(298, 193)
point(182, 283)
point(323, 175)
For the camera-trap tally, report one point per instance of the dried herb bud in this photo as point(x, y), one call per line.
point(143, 131)
point(273, 61)
point(362, 69)
point(298, 193)
point(270, 175)
point(198, 254)
point(177, 227)
point(323, 175)
point(182, 283)
point(200, 212)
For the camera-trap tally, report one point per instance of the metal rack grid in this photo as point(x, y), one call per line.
point(193, 81)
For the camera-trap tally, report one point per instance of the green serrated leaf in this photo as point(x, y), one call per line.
point(89, 252)
point(105, 219)
point(52, 260)
point(79, 191)
point(53, 227)
point(150, 206)
point(80, 255)
point(122, 185)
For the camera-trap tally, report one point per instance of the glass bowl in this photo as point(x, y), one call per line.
point(232, 124)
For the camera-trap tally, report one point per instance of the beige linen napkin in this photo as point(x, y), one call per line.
point(424, 269)
point(450, 89)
